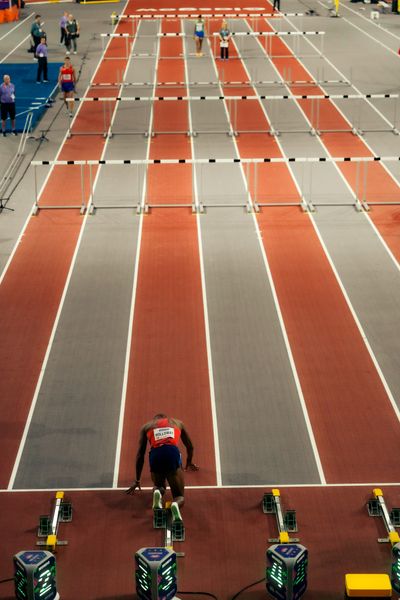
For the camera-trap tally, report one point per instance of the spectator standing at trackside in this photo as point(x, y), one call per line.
point(277, 5)
point(37, 32)
point(63, 24)
point(72, 33)
point(224, 38)
point(41, 53)
point(7, 101)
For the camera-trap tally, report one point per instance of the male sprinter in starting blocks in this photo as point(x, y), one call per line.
point(163, 434)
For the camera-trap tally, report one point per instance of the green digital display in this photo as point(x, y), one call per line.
point(286, 572)
point(155, 574)
point(35, 576)
point(395, 571)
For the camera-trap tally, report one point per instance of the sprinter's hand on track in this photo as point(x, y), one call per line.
point(191, 467)
point(133, 487)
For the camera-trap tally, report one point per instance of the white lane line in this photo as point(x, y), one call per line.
point(14, 49)
point(340, 283)
point(60, 307)
point(204, 290)
point(367, 145)
point(217, 487)
point(134, 286)
point(275, 296)
point(16, 26)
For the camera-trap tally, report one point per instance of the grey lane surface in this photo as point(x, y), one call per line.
point(78, 406)
point(370, 277)
point(256, 397)
point(71, 440)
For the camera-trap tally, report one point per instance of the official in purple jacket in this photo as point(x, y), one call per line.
point(7, 103)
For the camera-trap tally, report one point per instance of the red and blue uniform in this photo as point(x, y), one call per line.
point(67, 79)
point(164, 455)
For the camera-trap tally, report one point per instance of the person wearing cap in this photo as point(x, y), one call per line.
point(163, 434)
point(7, 102)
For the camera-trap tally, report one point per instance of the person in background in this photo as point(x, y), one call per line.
point(37, 32)
point(72, 33)
point(41, 54)
point(7, 101)
point(224, 38)
point(67, 81)
point(63, 24)
point(277, 5)
point(199, 31)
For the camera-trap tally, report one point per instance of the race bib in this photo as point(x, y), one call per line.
point(67, 77)
point(199, 26)
point(163, 433)
point(12, 96)
point(41, 55)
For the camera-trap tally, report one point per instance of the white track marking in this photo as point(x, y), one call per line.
point(134, 290)
point(217, 487)
point(276, 300)
point(344, 292)
point(59, 311)
point(16, 26)
point(204, 293)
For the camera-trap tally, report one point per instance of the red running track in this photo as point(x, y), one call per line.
point(32, 287)
point(226, 540)
point(168, 369)
point(347, 403)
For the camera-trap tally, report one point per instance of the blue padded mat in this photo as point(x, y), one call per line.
point(28, 94)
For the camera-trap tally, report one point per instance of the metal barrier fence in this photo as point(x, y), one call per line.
point(133, 115)
point(258, 191)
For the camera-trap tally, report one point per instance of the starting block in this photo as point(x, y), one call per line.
point(174, 530)
point(48, 524)
point(367, 585)
point(374, 15)
point(287, 522)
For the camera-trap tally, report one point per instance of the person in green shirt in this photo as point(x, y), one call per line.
point(72, 33)
point(37, 32)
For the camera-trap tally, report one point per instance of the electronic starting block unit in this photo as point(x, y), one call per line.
point(156, 574)
point(287, 561)
point(35, 575)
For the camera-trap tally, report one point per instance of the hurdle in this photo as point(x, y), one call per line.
point(306, 202)
point(38, 207)
point(48, 525)
point(268, 36)
point(141, 116)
